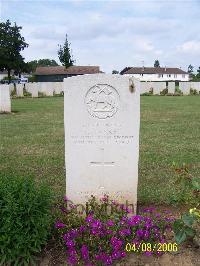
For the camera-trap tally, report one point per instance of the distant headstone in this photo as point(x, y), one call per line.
point(102, 118)
point(184, 87)
point(171, 87)
point(58, 87)
point(32, 88)
point(5, 102)
point(46, 88)
point(19, 90)
point(158, 87)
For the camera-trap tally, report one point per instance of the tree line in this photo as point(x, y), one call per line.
point(12, 43)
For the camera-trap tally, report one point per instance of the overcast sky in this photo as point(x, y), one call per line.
point(111, 34)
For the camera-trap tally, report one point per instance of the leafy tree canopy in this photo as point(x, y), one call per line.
point(190, 69)
point(64, 54)
point(32, 65)
point(11, 44)
point(156, 63)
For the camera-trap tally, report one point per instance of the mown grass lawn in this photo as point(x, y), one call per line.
point(32, 143)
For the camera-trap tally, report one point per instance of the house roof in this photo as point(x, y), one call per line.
point(152, 70)
point(72, 70)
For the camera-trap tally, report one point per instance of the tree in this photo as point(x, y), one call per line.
point(190, 69)
point(11, 44)
point(198, 71)
point(115, 72)
point(156, 63)
point(64, 54)
point(32, 65)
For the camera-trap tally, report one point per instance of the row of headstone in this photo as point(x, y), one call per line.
point(46, 88)
point(5, 102)
point(156, 87)
point(185, 87)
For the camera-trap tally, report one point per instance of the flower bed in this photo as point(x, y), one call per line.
point(100, 237)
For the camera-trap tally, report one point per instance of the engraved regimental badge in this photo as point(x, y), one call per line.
point(102, 101)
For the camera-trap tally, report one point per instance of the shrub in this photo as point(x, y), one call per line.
point(99, 237)
point(164, 92)
point(41, 94)
point(13, 93)
point(25, 219)
point(26, 93)
point(188, 187)
point(188, 227)
point(193, 92)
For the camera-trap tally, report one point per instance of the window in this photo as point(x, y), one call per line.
point(183, 76)
point(160, 75)
point(168, 75)
point(175, 75)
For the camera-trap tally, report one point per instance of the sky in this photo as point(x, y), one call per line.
point(111, 34)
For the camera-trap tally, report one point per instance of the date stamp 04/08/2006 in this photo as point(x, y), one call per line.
point(144, 247)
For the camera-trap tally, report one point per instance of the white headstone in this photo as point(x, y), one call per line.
point(158, 87)
point(102, 117)
point(171, 87)
point(47, 88)
point(185, 87)
point(5, 102)
point(19, 90)
point(145, 87)
point(58, 87)
point(32, 88)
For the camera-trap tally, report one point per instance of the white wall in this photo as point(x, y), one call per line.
point(155, 77)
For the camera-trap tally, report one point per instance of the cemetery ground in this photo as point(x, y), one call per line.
point(32, 144)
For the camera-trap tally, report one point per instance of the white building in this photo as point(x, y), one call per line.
point(156, 73)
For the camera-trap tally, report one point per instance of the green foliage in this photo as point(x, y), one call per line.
point(41, 94)
point(64, 54)
point(193, 92)
point(164, 92)
point(115, 72)
point(178, 92)
point(12, 43)
point(25, 219)
point(187, 226)
point(156, 63)
point(32, 79)
point(13, 93)
point(26, 93)
point(188, 187)
point(190, 69)
point(32, 65)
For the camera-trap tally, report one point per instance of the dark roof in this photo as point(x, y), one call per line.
point(152, 70)
point(72, 70)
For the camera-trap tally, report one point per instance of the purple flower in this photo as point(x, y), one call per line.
point(66, 198)
point(59, 225)
point(89, 218)
point(140, 233)
point(146, 234)
point(109, 232)
point(123, 254)
point(72, 260)
point(96, 224)
point(124, 232)
point(150, 210)
point(70, 243)
point(84, 252)
point(82, 228)
point(110, 223)
point(148, 253)
point(116, 255)
point(107, 260)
